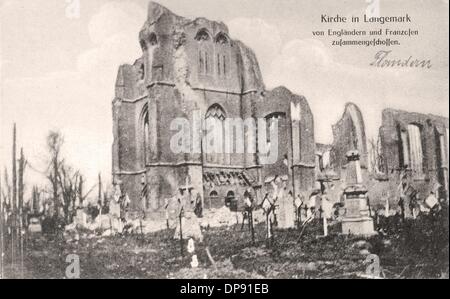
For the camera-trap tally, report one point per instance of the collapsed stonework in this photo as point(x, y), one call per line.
point(412, 147)
point(331, 161)
point(189, 66)
point(349, 134)
point(416, 146)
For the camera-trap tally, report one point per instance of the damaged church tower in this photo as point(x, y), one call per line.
point(193, 69)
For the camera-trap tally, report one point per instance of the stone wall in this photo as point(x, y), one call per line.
point(397, 148)
point(187, 67)
point(349, 134)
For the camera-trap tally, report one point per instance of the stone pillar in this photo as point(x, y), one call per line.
point(357, 220)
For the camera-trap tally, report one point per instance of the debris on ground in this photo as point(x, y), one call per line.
point(417, 249)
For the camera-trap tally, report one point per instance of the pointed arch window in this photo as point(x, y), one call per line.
point(148, 40)
point(415, 148)
point(204, 61)
point(141, 72)
point(230, 201)
point(214, 143)
point(145, 136)
point(222, 64)
point(214, 200)
point(272, 124)
point(153, 39)
point(222, 39)
point(203, 35)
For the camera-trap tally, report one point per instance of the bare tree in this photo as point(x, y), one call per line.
point(21, 185)
point(55, 141)
point(69, 182)
point(6, 191)
point(80, 190)
point(66, 182)
point(14, 232)
point(22, 216)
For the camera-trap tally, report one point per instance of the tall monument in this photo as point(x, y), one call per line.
point(357, 220)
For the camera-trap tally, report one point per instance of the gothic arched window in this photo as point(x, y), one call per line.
point(153, 40)
point(148, 40)
point(221, 38)
point(145, 135)
point(415, 148)
point(222, 54)
point(272, 124)
point(230, 201)
point(204, 61)
point(141, 72)
point(203, 35)
point(214, 143)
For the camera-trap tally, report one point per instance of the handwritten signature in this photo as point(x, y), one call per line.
point(383, 60)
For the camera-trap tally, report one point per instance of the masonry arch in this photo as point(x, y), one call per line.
point(213, 200)
point(203, 35)
point(230, 201)
point(149, 40)
point(144, 134)
point(273, 121)
point(214, 139)
point(222, 38)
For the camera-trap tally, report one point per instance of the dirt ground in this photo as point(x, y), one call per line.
point(416, 249)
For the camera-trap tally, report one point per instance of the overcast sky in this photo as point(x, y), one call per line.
point(58, 70)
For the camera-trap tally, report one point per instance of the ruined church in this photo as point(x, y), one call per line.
point(194, 70)
point(190, 66)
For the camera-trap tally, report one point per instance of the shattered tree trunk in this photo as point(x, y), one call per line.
point(14, 200)
point(1, 231)
point(100, 193)
point(80, 191)
point(55, 185)
point(22, 164)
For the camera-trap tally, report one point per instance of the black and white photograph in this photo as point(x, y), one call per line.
point(215, 140)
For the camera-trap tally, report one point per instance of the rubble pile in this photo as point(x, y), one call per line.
point(109, 225)
point(223, 217)
point(220, 217)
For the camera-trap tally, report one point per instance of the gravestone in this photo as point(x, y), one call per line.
point(81, 218)
point(286, 208)
point(286, 212)
point(357, 220)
